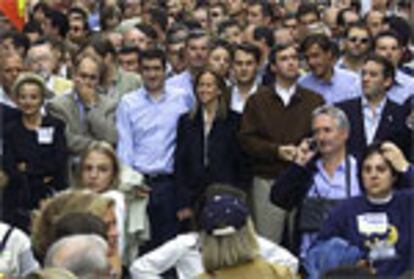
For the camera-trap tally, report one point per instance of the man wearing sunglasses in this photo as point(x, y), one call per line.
point(356, 48)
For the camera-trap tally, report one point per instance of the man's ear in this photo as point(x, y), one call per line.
point(387, 83)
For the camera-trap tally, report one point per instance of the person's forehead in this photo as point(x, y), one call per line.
point(387, 41)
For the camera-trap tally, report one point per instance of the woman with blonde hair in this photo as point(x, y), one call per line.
point(229, 242)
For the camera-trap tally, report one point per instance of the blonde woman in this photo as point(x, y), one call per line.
point(229, 242)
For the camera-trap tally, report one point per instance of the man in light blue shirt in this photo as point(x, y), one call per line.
point(388, 45)
point(331, 175)
point(196, 51)
point(332, 83)
point(147, 122)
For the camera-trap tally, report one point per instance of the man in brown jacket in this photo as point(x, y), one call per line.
point(274, 120)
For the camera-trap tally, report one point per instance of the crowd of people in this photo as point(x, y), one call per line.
point(207, 139)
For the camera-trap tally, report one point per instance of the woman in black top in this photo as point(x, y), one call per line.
point(207, 147)
point(35, 152)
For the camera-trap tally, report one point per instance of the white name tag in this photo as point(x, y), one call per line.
point(45, 135)
point(369, 223)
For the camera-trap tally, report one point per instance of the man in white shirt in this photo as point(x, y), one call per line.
point(245, 66)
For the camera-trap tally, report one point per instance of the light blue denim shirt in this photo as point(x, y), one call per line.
point(342, 86)
point(185, 82)
point(333, 187)
point(147, 129)
point(402, 88)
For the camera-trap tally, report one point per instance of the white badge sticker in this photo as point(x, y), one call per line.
point(45, 135)
point(369, 223)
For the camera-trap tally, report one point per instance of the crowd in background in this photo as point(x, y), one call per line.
point(207, 138)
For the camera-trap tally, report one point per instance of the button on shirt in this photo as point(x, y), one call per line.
point(331, 188)
point(237, 102)
point(147, 129)
point(342, 86)
point(372, 118)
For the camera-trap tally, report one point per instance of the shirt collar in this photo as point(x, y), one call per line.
point(379, 107)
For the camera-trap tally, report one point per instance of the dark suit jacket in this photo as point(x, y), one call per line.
point(391, 127)
point(226, 162)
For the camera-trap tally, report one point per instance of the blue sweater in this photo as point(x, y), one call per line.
point(346, 221)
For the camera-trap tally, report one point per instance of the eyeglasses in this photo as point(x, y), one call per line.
point(362, 40)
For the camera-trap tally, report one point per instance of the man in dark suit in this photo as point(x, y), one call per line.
point(373, 116)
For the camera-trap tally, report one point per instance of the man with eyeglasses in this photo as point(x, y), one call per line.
point(357, 45)
point(41, 60)
point(89, 116)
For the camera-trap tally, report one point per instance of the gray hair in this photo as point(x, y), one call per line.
point(83, 255)
point(336, 113)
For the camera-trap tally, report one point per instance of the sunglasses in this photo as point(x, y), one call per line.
point(362, 40)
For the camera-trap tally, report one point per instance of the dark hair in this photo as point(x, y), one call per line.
point(148, 30)
point(32, 26)
point(401, 27)
point(264, 33)
point(321, 40)
point(266, 9)
point(340, 18)
point(58, 20)
point(83, 15)
point(153, 53)
point(196, 34)
point(220, 43)
point(388, 70)
point(307, 8)
point(160, 17)
point(375, 148)
point(250, 49)
point(276, 49)
point(18, 39)
point(222, 27)
point(384, 34)
point(129, 50)
point(109, 12)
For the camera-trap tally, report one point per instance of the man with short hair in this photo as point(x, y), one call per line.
point(258, 13)
point(41, 60)
point(10, 68)
point(357, 44)
point(388, 45)
point(332, 83)
point(196, 53)
point(267, 135)
point(146, 120)
point(245, 66)
point(332, 175)
point(83, 255)
point(375, 22)
point(373, 116)
point(89, 116)
point(128, 59)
